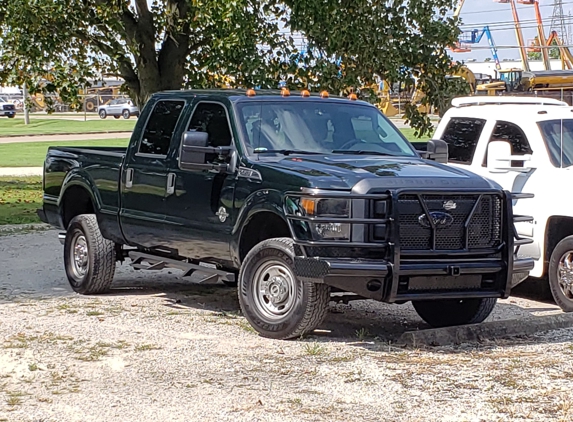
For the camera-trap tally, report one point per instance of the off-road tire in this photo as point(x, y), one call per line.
point(448, 312)
point(102, 114)
point(563, 247)
point(100, 267)
point(310, 300)
point(126, 115)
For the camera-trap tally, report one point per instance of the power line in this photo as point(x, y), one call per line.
point(519, 8)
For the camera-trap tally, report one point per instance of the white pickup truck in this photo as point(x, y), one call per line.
point(525, 144)
point(7, 108)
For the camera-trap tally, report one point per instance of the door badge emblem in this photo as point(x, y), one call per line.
point(222, 214)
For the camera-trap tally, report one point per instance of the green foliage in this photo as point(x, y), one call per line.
point(170, 44)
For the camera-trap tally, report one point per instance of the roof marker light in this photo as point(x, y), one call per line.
point(324, 94)
point(251, 92)
point(305, 93)
point(285, 92)
point(352, 96)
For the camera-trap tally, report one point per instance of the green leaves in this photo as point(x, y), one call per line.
point(58, 45)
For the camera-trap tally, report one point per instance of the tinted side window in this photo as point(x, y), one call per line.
point(509, 132)
point(160, 126)
point(212, 118)
point(462, 135)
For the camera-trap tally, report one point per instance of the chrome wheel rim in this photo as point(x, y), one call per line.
point(274, 290)
point(565, 274)
point(79, 255)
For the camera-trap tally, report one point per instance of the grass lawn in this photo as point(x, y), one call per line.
point(55, 126)
point(20, 197)
point(409, 134)
point(33, 154)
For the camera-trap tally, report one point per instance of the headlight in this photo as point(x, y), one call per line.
point(324, 208)
point(327, 207)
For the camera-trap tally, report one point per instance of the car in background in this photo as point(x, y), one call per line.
point(121, 107)
point(7, 108)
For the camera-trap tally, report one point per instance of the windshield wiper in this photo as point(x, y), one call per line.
point(361, 152)
point(283, 151)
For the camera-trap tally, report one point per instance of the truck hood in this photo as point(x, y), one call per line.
point(362, 173)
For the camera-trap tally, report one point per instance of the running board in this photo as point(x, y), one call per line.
point(144, 261)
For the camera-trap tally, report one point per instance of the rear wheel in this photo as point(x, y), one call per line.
point(11, 116)
point(447, 312)
point(116, 117)
point(89, 259)
point(561, 274)
point(274, 301)
point(102, 114)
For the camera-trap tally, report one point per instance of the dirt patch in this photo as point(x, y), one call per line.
point(160, 348)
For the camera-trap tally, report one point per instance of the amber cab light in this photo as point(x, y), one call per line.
point(251, 92)
point(305, 93)
point(352, 96)
point(324, 94)
point(285, 92)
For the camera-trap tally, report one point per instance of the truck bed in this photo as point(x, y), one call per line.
point(96, 167)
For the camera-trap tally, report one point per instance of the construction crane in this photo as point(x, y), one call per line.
point(475, 36)
point(518, 33)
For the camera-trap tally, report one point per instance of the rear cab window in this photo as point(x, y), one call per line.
point(159, 127)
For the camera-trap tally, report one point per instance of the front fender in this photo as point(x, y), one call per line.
point(264, 200)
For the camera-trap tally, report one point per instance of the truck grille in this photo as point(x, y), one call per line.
point(450, 214)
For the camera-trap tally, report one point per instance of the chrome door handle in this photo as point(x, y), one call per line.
point(129, 178)
point(170, 183)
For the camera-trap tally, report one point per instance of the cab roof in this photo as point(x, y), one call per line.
point(240, 95)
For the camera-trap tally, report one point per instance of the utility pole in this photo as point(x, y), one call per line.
point(26, 110)
point(559, 22)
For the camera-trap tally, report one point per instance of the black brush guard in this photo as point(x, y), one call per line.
point(379, 269)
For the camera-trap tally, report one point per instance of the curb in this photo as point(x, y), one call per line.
point(485, 331)
point(25, 135)
point(17, 228)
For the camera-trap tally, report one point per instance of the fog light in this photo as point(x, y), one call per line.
point(333, 231)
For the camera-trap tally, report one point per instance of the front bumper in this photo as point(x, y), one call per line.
point(7, 112)
point(386, 282)
point(383, 270)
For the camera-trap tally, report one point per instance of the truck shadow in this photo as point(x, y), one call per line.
point(358, 321)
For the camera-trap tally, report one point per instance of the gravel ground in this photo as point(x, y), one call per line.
point(158, 348)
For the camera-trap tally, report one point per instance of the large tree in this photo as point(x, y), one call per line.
point(168, 44)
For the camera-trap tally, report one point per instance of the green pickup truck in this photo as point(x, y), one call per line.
point(299, 199)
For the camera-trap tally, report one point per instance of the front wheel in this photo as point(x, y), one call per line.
point(11, 116)
point(102, 114)
point(126, 114)
point(274, 301)
point(448, 312)
point(89, 259)
point(561, 274)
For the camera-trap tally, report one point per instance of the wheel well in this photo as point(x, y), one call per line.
point(558, 228)
point(261, 226)
point(76, 201)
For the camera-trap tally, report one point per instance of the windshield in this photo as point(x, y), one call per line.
point(558, 138)
point(2, 100)
point(319, 127)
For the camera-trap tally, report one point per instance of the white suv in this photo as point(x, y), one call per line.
point(525, 145)
point(121, 107)
point(7, 109)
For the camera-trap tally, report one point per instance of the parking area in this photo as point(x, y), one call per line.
point(161, 348)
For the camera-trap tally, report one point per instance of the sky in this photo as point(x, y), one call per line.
point(478, 13)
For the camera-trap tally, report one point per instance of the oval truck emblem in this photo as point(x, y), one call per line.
point(440, 219)
point(222, 214)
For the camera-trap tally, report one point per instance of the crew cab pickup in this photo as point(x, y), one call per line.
point(294, 197)
point(526, 146)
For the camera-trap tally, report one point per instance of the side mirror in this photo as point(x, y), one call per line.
point(500, 160)
point(437, 150)
point(190, 154)
point(195, 152)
